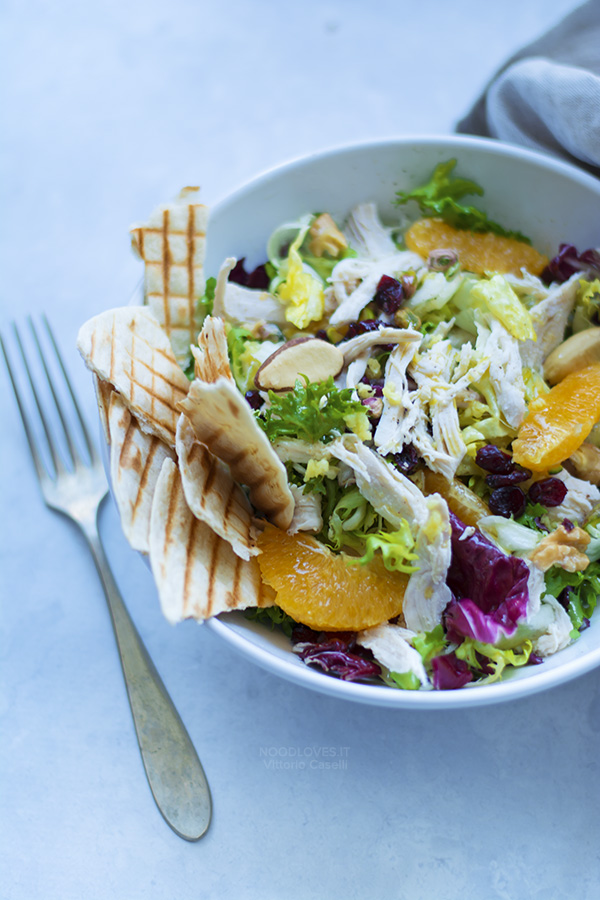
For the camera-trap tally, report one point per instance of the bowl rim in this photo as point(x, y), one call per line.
point(292, 669)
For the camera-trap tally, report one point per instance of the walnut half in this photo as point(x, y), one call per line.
point(562, 548)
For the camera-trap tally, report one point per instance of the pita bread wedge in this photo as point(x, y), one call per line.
point(223, 421)
point(212, 494)
point(172, 245)
point(104, 391)
point(211, 358)
point(136, 459)
point(127, 348)
point(196, 572)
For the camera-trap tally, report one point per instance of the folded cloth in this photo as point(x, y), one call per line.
point(547, 96)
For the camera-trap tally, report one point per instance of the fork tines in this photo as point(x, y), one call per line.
point(46, 401)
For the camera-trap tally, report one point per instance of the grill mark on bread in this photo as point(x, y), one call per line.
point(189, 561)
point(211, 571)
point(166, 268)
point(235, 587)
point(211, 475)
point(174, 487)
point(145, 475)
point(191, 249)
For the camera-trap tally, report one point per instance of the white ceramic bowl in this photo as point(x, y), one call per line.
point(548, 200)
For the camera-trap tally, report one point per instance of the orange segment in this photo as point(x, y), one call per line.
point(559, 422)
point(479, 253)
point(461, 500)
point(321, 589)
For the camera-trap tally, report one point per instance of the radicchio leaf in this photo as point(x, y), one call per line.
point(450, 673)
point(568, 261)
point(489, 587)
point(336, 654)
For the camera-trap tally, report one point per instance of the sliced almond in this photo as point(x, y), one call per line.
point(580, 350)
point(308, 356)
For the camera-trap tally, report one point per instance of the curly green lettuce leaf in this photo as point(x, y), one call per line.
point(581, 591)
point(396, 547)
point(430, 643)
point(408, 681)
point(315, 411)
point(491, 660)
point(351, 517)
point(440, 196)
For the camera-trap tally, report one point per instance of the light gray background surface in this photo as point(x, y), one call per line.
point(107, 109)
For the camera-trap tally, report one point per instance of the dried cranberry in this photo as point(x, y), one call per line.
point(258, 278)
point(493, 459)
point(507, 501)
point(535, 660)
point(321, 334)
point(362, 327)
point(389, 296)
point(549, 492)
point(517, 475)
point(406, 460)
point(254, 399)
point(567, 525)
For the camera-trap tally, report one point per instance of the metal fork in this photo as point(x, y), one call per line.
point(76, 486)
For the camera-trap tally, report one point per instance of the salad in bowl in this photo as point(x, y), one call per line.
point(376, 437)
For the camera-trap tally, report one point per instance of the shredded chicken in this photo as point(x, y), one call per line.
point(558, 634)
point(355, 281)
point(581, 498)
point(366, 233)
point(390, 647)
point(244, 306)
point(549, 318)
point(502, 349)
point(427, 593)
point(307, 511)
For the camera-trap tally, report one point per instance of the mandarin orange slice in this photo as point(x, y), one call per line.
point(461, 500)
point(558, 423)
point(322, 589)
point(479, 253)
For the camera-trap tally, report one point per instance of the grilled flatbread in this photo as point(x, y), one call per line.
point(196, 572)
point(212, 494)
point(127, 348)
point(211, 358)
point(223, 421)
point(172, 244)
point(104, 392)
point(136, 459)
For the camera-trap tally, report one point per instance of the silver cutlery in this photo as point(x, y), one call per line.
point(73, 482)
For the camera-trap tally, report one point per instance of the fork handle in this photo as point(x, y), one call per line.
point(174, 772)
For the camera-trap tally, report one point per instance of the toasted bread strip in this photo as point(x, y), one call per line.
point(212, 494)
point(136, 459)
point(223, 421)
point(211, 359)
point(172, 244)
point(196, 572)
point(127, 348)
